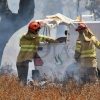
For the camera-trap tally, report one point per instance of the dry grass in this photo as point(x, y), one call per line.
point(11, 89)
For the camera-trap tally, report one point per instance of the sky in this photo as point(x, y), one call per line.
point(13, 5)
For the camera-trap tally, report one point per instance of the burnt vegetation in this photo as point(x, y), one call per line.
point(11, 89)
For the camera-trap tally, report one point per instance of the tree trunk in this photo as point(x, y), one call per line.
point(11, 22)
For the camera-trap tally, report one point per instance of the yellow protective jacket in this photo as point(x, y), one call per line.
point(86, 45)
point(29, 45)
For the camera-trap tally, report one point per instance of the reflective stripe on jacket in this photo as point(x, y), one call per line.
point(87, 48)
point(78, 46)
point(29, 46)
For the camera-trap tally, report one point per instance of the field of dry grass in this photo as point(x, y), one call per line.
point(11, 89)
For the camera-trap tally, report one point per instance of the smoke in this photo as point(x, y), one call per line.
point(12, 25)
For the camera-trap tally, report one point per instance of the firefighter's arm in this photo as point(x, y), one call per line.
point(47, 39)
point(21, 39)
point(96, 42)
point(77, 50)
point(51, 40)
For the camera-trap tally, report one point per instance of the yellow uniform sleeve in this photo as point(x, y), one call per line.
point(43, 38)
point(77, 49)
point(96, 42)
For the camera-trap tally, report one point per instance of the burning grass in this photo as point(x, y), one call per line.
point(11, 89)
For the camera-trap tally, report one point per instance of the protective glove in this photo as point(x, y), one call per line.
point(77, 56)
point(76, 59)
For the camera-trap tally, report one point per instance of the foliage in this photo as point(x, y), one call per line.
point(77, 6)
point(94, 7)
point(11, 89)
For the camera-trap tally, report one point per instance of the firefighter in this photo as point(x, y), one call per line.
point(29, 43)
point(85, 53)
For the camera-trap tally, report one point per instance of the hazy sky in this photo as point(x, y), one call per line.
point(13, 5)
point(67, 10)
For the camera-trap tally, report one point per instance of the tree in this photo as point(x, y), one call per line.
point(77, 6)
point(94, 7)
point(11, 22)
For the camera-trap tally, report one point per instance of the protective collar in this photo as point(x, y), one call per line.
point(85, 35)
